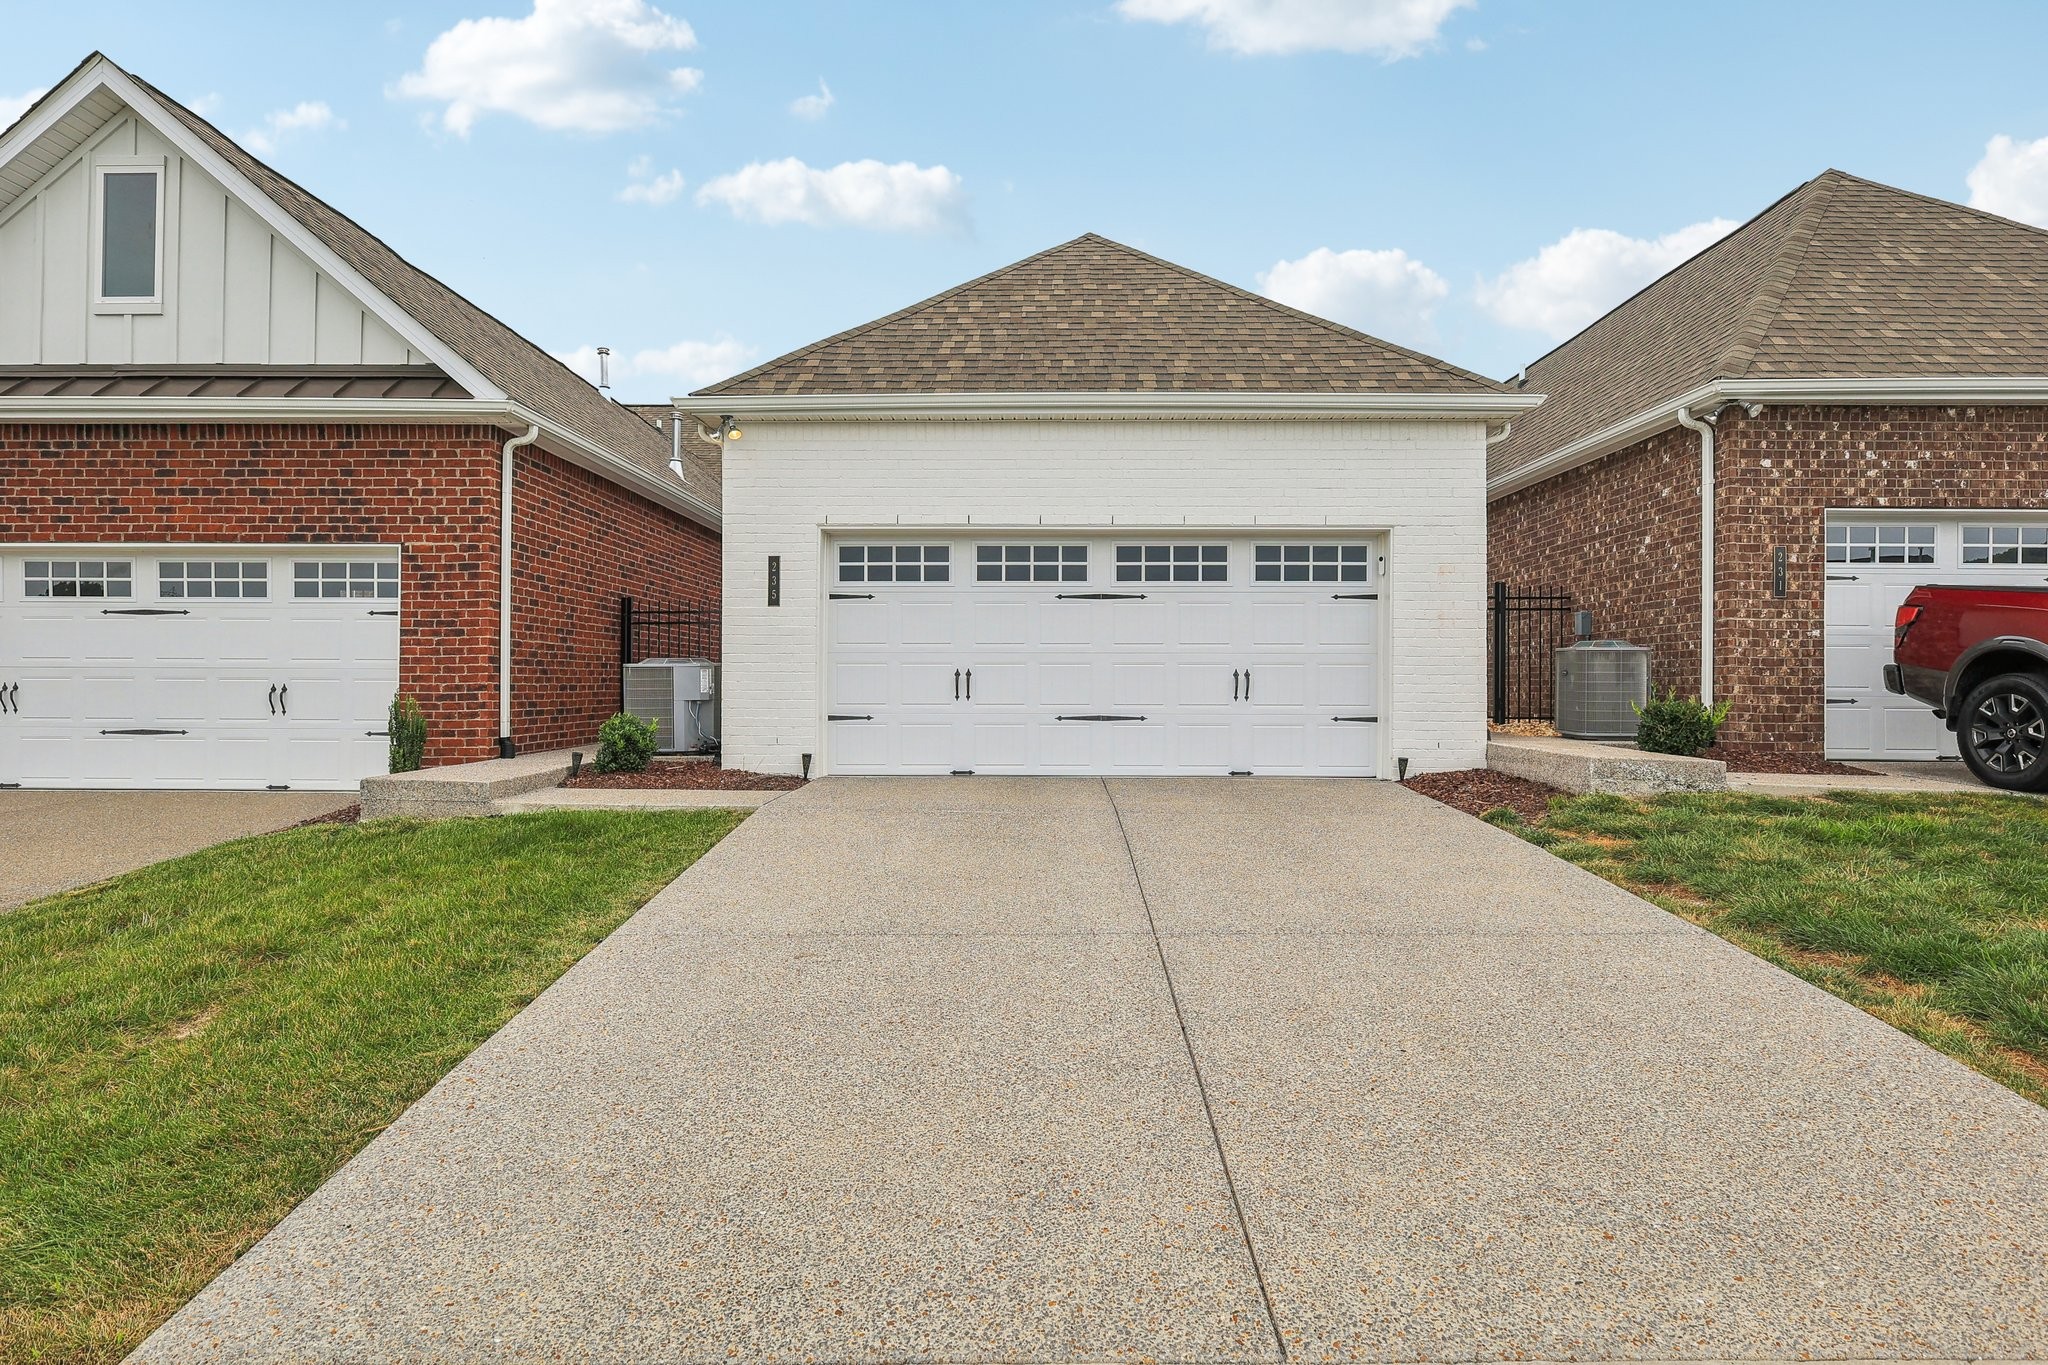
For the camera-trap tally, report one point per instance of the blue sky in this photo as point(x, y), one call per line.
point(1472, 179)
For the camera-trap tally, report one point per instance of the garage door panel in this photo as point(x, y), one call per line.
point(1177, 653)
point(212, 668)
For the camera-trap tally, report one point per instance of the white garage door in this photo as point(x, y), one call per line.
point(235, 667)
point(1191, 654)
point(1873, 561)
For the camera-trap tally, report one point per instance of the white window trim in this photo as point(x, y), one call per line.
point(126, 165)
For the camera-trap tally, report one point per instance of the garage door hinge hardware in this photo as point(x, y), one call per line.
point(144, 611)
point(1841, 701)
point(1098, 718)
point(1841, 578)
point(962, 772)
point(849, 718)
point(376, 734)
point(1240, 772)
point(277, 787)
point(1359, 720)
point(851, 596)
point(10, 786)
point(142, 732)
point(1101, 597)
point(1354, 597)
point(383, 613)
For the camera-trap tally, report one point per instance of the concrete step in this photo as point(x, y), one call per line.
point(1583, 765)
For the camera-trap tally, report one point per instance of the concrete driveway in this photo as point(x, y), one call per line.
point(965, 1069)
point(56, 840)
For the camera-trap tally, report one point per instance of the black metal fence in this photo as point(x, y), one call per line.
point(1529, 627)
point(657, 632)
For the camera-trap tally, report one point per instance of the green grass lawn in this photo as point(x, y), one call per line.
point(1929, 912)
point(188, 1051)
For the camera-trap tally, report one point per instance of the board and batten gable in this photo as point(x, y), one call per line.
point(790, 485)
point(234, 293)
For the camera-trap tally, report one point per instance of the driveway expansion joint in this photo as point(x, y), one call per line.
point(1244, 1226)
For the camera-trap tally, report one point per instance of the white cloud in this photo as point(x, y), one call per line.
point(207, 105)
point(13, 107)
point(903, 197)
point(1390, 29)
point(813, 106)
point(587, 66)
point(1388, 293)
point(645, 187)
point(1586, 272)
point(686, 365)
point(2012, 180)
point(307, 116)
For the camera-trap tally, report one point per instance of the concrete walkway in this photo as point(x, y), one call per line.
point(56, 840)
point(952, 1069)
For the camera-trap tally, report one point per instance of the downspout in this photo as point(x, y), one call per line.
point(505, 749)
point(1705, 427)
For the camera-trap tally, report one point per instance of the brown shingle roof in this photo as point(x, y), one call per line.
point(1842, 278)
point(1095, 316)
point(527, 374)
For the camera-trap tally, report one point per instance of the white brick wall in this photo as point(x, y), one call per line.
point(788, 485)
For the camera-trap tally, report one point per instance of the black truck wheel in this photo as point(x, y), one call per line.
point(2003, 732)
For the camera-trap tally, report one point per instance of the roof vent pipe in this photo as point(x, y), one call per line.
point(1705, 427)
point(675, 446)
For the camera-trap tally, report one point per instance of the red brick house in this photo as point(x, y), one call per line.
point(257, 474)
point(1865, 370)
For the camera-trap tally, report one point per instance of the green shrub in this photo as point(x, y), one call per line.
point(1672, 724)
point(408, 732)
point(625, 744)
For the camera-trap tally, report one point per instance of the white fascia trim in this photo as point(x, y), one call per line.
point(104, 74)
point(708, 409)
point(1984, 389)
point(359, 411)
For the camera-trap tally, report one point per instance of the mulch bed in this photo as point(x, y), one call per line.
point(1479, 790)
point(347, 815)
point(1744, 758)
point(688, 777)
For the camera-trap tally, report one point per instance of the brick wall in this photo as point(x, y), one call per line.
point(1778, 475)
point(791, 484)
point(579, 543)
point(1623, 535)
point(433, 491)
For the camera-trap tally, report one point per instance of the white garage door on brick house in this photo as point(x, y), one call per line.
point(1094, 400)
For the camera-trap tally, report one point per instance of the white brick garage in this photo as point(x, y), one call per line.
point(1180, 419)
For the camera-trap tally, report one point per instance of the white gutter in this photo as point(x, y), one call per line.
point(531, 435)
point(708, 409)
point(1706, 430)
point(418, 411)
point(1981, 389)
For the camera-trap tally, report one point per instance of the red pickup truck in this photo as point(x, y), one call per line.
point(1979, 657)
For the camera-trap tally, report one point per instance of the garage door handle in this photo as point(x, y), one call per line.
point(145, 611)
point(1098, 718)
point(970, 684)
point(1233, 684)
point(1100, 597)
point(1247, 684)
point(282, 693)
point(273, 699)
point(4, 707)
point(142, 732)
point(956, 684)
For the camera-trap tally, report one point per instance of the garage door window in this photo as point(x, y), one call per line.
point(1880, 543)
point(1172, 563)
point(1310, 563)
point(191, 578)
point(347, 578)
point(2005, 546)
point(1031, 563)
point(78, 578)
point(895, 563)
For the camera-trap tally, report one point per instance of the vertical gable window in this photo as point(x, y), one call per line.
point(131, 232)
